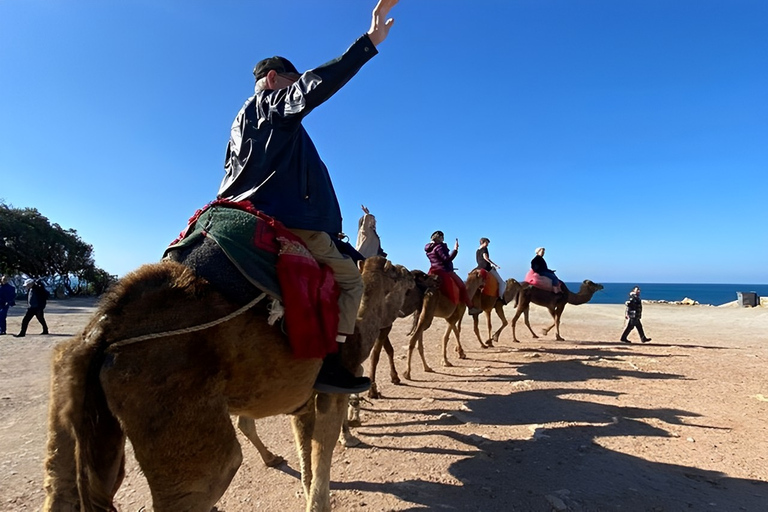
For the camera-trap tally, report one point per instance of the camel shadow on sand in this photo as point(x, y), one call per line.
point(566, 464)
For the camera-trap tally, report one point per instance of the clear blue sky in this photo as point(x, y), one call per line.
point(630, 138)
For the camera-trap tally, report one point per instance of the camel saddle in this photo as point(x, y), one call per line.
point(538, 281)
point(243, 252)
point(490, 284)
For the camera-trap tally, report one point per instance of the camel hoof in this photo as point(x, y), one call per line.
point(273, 462)
point(350, 441)
point(395, 380)
point(489, 344)
point(407, 375)
point(447, 364)
point(535, 337)
point(558, 338)
point(462, 355)
point(354, 423)
point(374, 393)
point(428, 369)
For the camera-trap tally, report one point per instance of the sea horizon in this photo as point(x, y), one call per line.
point(715, 294)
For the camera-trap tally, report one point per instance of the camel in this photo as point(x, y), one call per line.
point(437, 304)
point(164, 362)
point(555, 303)
point(414, 298)
point(486, 303)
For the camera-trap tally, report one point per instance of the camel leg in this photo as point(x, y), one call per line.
point(189, 454)
point(303, 424)
point(518, 312)
point(490, 328)
point(500, 312)
point(528, 323)
point(425, 320)
point(374, 358)
point(347, 439)
point(248, 427)
point(475, 321)
point(446, 337)
point(393, 377)
point(427, 368)
point(329, 415)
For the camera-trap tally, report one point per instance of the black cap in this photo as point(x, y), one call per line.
point(279, 64)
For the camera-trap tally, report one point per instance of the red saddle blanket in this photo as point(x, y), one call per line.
point(490, 284)
point(277, 262)
point(451, 286)
point(538, 281)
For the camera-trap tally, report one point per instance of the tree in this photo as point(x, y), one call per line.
point(31, 245)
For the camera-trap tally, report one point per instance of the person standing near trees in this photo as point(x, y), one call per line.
point(37, 299)
point(7, 299)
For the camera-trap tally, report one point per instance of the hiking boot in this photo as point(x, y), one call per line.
point(646, 340)
point(334, 378)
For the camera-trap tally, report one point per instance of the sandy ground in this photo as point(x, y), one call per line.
point(587, 424)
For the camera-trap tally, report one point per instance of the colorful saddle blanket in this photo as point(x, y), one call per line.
point(490, 284)
point(538, 281)
point(278, 263)
point(451, 285)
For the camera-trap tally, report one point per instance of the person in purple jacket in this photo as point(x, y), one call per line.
point(441, 264)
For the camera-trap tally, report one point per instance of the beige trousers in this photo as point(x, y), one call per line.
point(345, 272)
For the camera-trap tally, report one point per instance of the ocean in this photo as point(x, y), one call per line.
point(715, 294)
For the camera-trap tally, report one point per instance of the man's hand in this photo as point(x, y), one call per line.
point(365, 210)
point(456, 245)
point(379, 27)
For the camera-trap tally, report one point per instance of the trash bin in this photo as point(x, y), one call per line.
point(747, 299)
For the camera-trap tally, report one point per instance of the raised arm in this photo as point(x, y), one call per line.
point(380, 25)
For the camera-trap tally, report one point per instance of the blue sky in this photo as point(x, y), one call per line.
point(630, 138)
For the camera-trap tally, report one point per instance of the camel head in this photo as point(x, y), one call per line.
point(510, 293)
point(385, 287)
point(589, 287)
point(423, 283)
point(475, 280)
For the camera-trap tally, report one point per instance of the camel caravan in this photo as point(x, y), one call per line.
point(176, 349)
point(257, 309)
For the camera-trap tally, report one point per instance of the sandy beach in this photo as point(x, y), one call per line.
point(586, 424)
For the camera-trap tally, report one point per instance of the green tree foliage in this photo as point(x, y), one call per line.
point(31, 245)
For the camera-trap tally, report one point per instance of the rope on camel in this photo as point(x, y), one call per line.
point(188, 330)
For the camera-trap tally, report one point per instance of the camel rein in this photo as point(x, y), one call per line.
point(188, 330)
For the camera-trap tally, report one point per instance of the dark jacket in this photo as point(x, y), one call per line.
point(439, 256)
point(271, 160)
point(7, 295)
point(538, 265)
point(634, 307)
point(37, 297)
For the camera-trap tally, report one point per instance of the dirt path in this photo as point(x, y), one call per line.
point(588, 424)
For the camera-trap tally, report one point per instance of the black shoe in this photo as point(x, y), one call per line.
point(475, 311)
point(646, 340)
point(624, 340)
point(20, 335)
point(44, 332)
point(2, 334)
point(334, 378)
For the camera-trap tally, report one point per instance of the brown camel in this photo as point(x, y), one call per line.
point(555, 303)
point(437, 304)
point(486, 304)
point(164, 362)
point(414, 298)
